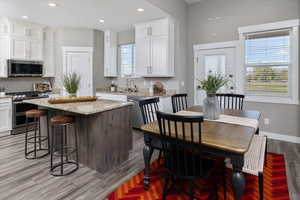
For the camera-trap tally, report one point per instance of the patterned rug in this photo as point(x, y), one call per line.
point(275, 184)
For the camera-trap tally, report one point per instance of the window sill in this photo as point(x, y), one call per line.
point(269, 99)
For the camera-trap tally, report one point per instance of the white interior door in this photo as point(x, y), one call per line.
point(215, 61)
point(79, 60)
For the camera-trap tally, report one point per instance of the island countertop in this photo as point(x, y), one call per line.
point(83, 108)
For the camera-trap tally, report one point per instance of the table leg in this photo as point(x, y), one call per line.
point(147, 152)
point(238, 179)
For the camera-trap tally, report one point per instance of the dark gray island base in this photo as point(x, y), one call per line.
point(103, 127)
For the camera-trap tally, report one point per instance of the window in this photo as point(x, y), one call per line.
point(270, 60)
point(127, 60)
point(267, 63)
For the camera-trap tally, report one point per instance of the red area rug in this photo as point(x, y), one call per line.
point(275, 185)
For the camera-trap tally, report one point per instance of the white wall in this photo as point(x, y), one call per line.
point(235, 13)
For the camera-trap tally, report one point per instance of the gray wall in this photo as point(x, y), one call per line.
point(98, 44)
point(77, 37)
point(284, 119)
point(126, 37)
point(80, 37)
point(177, 9)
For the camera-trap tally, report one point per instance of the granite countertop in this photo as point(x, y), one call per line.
point(83, 108)
point(137, 94)
point(6, 97)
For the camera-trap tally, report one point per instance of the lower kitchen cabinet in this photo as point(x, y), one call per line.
point(5, 116)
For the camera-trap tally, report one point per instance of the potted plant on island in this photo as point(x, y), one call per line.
point(71, 83)
point(211, 107)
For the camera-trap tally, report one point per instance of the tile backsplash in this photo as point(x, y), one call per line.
point(20, 84)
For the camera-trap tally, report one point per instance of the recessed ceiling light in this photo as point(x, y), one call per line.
point(141, 9)
point(101, 21)
point(51, 4)
point(25, 17)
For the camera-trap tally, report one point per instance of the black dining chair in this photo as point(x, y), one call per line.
point(182, 162)
point(231, 101)
point(179, 102)
point(148, 109)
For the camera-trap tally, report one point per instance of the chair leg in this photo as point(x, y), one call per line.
point(160, 156)
point(26, 137)
point(224, 183)
point(165, 192)
point(261, 185)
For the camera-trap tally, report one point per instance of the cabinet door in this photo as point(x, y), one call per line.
point(5, 117)
point(159, 55)
point(17, 29)
point(48, 54)
point(143, 58)
point(110, 54)
point(142, 31)
point(34, 48)
point(18, 49)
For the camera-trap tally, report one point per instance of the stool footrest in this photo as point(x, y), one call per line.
point(66, 151)
point(31, 139)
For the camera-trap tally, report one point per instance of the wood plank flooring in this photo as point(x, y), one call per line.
point(30, 179)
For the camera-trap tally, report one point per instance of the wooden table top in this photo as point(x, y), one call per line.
point(224, 136)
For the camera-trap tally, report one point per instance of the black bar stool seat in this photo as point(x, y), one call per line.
point(36, 141)
point(63, 150)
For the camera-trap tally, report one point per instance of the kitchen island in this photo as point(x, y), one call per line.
point(103, 127)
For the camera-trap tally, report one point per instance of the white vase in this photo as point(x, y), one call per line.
point(211, 107)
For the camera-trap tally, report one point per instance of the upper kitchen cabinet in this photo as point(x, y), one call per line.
point(25, 40)
point(110, 54)
point(48, 53)
point(155, 48)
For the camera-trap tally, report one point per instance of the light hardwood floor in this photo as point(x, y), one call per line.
point(30, 179)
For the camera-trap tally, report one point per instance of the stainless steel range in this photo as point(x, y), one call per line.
point(19, 109)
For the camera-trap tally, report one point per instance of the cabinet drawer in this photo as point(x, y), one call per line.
point(5, 100)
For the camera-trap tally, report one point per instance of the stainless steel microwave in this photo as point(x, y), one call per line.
point(24, 68)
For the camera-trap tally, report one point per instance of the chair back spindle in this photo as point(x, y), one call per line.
point(148, 109)
point(179, 102)
point(176, 132)
point(231, 101)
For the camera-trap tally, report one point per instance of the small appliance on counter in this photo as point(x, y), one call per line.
point(42, 87)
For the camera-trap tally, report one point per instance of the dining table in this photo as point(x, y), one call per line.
point(228, 140)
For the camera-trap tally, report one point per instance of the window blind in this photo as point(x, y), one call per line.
point(127, 59)
point(267, 63)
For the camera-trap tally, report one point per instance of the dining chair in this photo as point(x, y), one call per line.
point(179, 102)
point(254, 161)
point(231, 101)
point(182, 163)
point(148, 109)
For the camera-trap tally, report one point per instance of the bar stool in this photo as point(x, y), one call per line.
point(63, 150)
point(36, 139)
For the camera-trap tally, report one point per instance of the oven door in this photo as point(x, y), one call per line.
point(19, 117)
point(21, 68)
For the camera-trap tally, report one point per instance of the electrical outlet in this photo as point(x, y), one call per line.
point(267, 121)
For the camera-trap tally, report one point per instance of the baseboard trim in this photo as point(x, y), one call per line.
point(281, 137)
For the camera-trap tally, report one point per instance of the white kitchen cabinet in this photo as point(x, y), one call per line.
point(110, 54)
point(4, 54)
point(25, 40)
point(113, 97)
point(48, 53)
point(5, 116)
point(155, 48)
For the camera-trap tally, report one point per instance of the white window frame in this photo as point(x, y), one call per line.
point(293, 98)
point(120, 62)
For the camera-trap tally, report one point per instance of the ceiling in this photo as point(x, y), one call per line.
point(192, 1)
point(118, 14)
